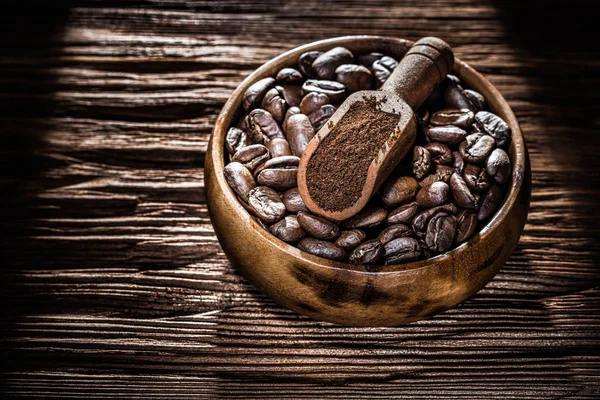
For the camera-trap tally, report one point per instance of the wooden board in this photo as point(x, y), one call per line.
point(114, 284)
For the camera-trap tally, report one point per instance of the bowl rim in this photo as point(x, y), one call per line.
point(217, 153)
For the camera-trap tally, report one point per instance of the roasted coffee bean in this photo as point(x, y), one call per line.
point(305, 62)
point(389, 62)
point(393, 232)
point(490, 202)
point(236, 139)
point(498, 166)
point(399, 190)
point(325, 65)
point(293, 201)
point(289, 75)
point(292, 94)
point(299, 131)
point(476, 148)
point(312, 102)
point(440, 153)
point(441, 232)
point(369, 216)
point(266, 203)
point(291, 111)
point(369, 252)
point(239, 179)
point(367, 60)
point(433, 195)
point(334, 90)
point(461, 118)
point(279, 147)
point(459, 163)
point(354, 77)
point(446, 134)
point(421, 162)
point(420, 221)
point(461, 193)
point(441, 173)
point(403, 214)
point(401, 250)
point(466, 222)
point(476, 98)
point(318, 227)
point(424, 116)
point(321, 116)
point(279, 173)
point(350, 239)
point(254, 94)
point(381, 72)
point(454, 97)
point(477, 178)
point(322, 248)
point(274, 104)
point(262, 127)
point(494, 126)
point(251, 156)
point(288, 229)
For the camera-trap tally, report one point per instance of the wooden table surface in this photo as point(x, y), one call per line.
point(114, 285)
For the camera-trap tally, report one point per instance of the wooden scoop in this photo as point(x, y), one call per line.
point(423, 67)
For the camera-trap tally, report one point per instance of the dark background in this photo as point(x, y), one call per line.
point(113, 283)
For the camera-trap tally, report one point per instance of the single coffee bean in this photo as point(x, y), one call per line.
point(477, 178)
point(325, 65)
point(381, 72)
point(441, 232)
point(403, 214)
point(262, 127)
point(420, 221)
point(440, 153)
point(466, 222)
point(293, 201)
point(321, 116)
point(461, 118)
point(254, 94)
point(421, 162)
point(279, 147)
point(366, 60)
point(476, 148)
point(490, 202)
point(318, 227)
point(305, 62)
point(461, 193)
point(401, 250)
point(236, 139)
point(289, 75)
point(498, 166)
point(454, 97)
point(441, 173)
point(369, 216)
point(279, 173)
point(288, 229)
point(292, 94)
point(251, 156)
point(449, 134)
point(354, 77)
point(239, 179)
point(322, 248)
point(299, 131)
point(494, 126)
point(334, 90)
point(312, 102)
point(459, 163)
point(399, 190)
point(389, 62)
point(274, 104)
point(266, 203)
point(393, 232)
point(369, 252)
point(433, 195)
point(350, 239)
point(291, 111)
point(476, 98)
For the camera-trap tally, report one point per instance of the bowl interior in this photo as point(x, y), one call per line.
point(396, 48)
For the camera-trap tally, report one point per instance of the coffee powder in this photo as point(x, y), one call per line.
point(337, 170)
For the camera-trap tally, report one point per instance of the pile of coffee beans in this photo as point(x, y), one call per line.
point(450, 184)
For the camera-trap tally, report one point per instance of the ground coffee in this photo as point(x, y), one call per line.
point(354, 141)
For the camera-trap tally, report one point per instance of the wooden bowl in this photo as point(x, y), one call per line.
point(348, 294)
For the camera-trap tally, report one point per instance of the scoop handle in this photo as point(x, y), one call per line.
point(423, 67)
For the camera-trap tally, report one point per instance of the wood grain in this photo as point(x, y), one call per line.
point(114, 285)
